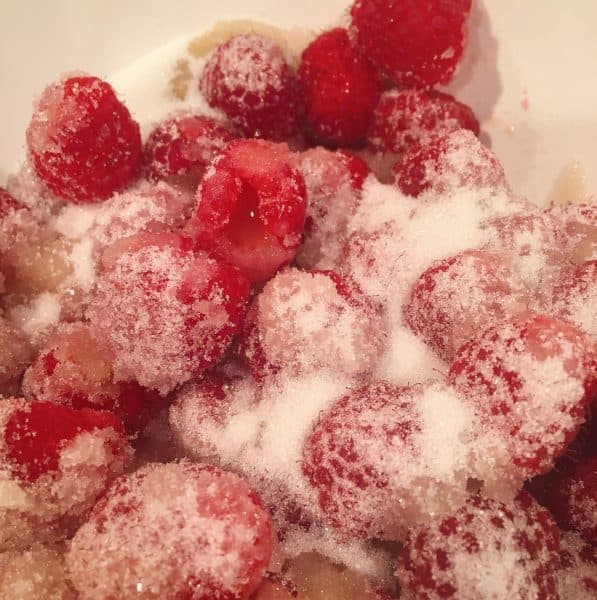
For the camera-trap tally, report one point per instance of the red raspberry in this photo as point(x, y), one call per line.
point(446, 162)
point(374, 458)
point(577, 571)
point(305, 321)
point(458, 297)
point(406, 117)
point(530, 380)
point(575, 296)
point(73, 368)
point(249, 79)
point(184, 146)
point(165, 313)
point(570, 493)
point(177, 530)
point(340, 89)
point(251, 208)
point(56, 462)
point(416, 42)
point(334, 181)
point(82, 140)
point(485, 550)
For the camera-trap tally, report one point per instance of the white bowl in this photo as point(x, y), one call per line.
point(529, 71)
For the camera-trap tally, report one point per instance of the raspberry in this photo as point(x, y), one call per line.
point(15, 356)
point(340, 89)
point(306, 321)
point(7, 203)
point(485, 550)
point(530, 380)
point(445, 162)
point(457, 298)
point(577, 572)
point(251, 208)
point(373, 458)
point(177, 530)
point(74, 369)
point(248, 78)
point(82, 141)
point(56, 462)
point(406, 117)
point(570, 493)
point(164, 312)
point(575, 296)
point(334, 181)
point(416, 42)
point(578, 231)
point(183, 146)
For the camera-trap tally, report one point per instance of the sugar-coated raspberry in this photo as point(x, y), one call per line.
point(82, 140)
point(74, 368)
point(304, 321)
point(7, 203)
point(406, 117)
point(164, 312)
point(530, 379)
point(574, 297)
point(35, 573)
point(570, 493)
point(177, 530)
point(15, 356)
point(16, 221)
point(56, 462)
point(334, 181)
point(485, 550)
point(374, 458)
point(417, 43)
point(577, 572)
point(183, 146)
point(251, 208)
point(578, 230)
point(249, 79)
point(445, 162)
point(340, 88)
point(458, 297)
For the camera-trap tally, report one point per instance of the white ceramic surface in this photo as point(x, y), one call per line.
point(529, 71)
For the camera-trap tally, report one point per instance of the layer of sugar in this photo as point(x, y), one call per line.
point(36, 317)
point(577, 575)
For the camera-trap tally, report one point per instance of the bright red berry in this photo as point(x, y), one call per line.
point(458, 297)
point(75, 369)
point(251, 208)
point(249, 79)
point(183, 147)
point(416, 42)
point(166, 313)
point(530, 380)
point(446, 162)
point(406, 117)
point(485, 550)
point(177, 530)
point(340, 89)
point(82, 140)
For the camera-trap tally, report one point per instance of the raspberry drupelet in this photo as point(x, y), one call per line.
point(458, 297)
point(340, 88)
point(75, 369)
point(487, 549)
point(334, 181)
point(55, 461)
point(530, 379)
point(251, 208)
point(82, 141)
point(415, 42)
point(249, 79)
point(445, 162)
point(166, 313)
point(406, 117)
point(182, 147)
point(304, 321)
point(170, 531)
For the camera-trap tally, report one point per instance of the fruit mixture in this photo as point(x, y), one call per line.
point(304, 343)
